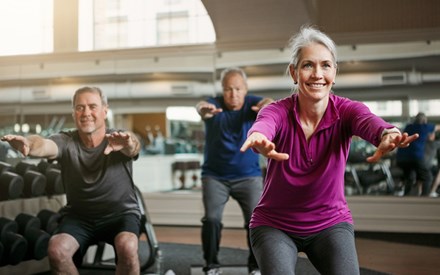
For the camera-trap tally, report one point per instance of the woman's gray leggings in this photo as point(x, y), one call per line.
point(332, 251)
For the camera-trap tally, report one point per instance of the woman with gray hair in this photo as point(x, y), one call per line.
point(306, 138)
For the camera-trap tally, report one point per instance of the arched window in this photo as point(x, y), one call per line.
point(26, 27)
point(116, 24)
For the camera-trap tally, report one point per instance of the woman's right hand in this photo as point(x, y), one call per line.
point(264, 146)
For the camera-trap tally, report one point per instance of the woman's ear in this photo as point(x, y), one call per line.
point(292, 73)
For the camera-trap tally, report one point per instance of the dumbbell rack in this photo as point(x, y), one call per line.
point(32, 206)
point(24, 205)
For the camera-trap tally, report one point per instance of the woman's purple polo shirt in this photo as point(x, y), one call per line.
point(305, 194)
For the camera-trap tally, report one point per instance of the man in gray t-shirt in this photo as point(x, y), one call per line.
point(96, 166)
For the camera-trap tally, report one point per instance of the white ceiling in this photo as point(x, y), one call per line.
point(254, 24)
point(257, 24)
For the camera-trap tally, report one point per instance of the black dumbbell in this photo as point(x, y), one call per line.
point(44, 165)
point(52, 171)
point(30, 227)
point(11, 185)
point(49, 220)
point(15, 245)
point(34, 184)
point(26, 222)
point(54, 185)
point(34, 181)
point(5, 167)
point(22, 167)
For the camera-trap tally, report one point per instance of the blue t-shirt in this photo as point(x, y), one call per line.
point(225, 133)
point(416, 150)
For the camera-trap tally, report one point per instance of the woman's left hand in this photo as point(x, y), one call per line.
point(391, 141)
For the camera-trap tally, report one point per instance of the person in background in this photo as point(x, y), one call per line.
point(306, 138)
point(435, 185)
point(96, 169)
point(412, 158)
point(225, 171)
point(431, 151)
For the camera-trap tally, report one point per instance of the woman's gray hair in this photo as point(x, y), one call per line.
point(232, 70)
point(90, 90)
point(306, 36)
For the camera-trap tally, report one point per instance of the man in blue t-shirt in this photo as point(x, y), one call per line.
point(227, 172)
point(412, 158)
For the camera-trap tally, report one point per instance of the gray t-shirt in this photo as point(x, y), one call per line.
point(97, 185)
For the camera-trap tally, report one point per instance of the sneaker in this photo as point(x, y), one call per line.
point(170, 272)
point(255, 272)
point(433, 194)
point(213, 271)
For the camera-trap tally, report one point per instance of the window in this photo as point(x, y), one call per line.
point(389, 108)
point(26, 27)
point(112, 24)
point(429, 107)
point(182, 113)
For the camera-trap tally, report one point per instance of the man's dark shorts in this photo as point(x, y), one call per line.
point(89, 232)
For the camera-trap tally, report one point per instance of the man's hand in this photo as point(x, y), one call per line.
point(265, 147)
point(207, 110)
point(391, 141)
point(19, 143)
point(122, 141)
point(261, 104)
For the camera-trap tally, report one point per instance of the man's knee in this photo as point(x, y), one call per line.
point(126, 245)
point(127, 254)
point(61, 247)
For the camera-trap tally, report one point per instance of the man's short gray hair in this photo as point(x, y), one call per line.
point(232, 70)
point(90, 90)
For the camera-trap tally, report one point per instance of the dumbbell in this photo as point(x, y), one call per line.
point(22, 167)
point(44, 165)
point(5, 167)
point(34, 181)
point(15, 245)
point(34, 184)
point(11, 185)
point(54, 183)
point(30, 227)
point(49, 220)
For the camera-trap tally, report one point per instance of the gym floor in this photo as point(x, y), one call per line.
point(385, 256)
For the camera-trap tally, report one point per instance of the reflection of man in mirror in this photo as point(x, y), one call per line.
point(412, 158)
point(150, 136)
point(156, 142)
point(432, 148)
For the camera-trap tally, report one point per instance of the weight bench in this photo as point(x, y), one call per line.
point(149, 252)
